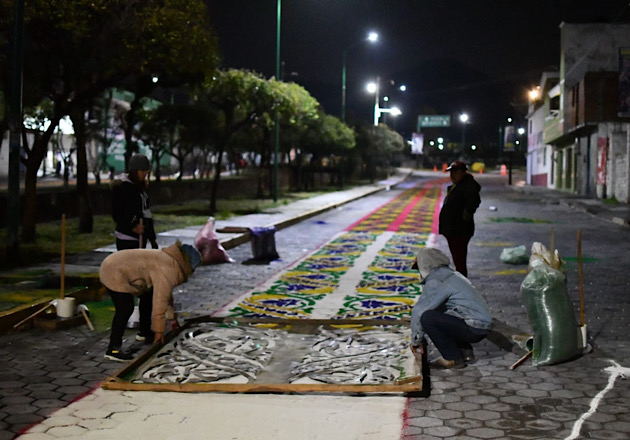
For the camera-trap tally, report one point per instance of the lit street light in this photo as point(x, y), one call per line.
point(464, 119)
point(372, 38)
point(374, 87)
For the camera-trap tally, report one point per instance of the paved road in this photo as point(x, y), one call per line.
point(47, 370)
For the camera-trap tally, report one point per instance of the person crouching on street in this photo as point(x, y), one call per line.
point(451, 311)
point(131, 272)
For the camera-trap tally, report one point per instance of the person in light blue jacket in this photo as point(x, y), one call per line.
point(451, 311)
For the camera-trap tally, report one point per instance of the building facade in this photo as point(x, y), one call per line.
point(578, 126)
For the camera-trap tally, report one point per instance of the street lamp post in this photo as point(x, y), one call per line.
point(374, 87)
point(372, 38)
point(277, 116)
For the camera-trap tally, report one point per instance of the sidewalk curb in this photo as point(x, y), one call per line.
point(241, 238)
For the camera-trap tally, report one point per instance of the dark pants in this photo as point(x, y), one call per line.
point(124, 304)
point(458, 245)
point(450, 334)
point(129, 244)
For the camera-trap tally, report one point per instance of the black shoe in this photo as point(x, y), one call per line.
point(468, 354)
point(117, 355)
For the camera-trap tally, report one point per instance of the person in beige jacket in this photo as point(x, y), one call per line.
point(128, 273)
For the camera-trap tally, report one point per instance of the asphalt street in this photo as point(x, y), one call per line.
point(44, 372)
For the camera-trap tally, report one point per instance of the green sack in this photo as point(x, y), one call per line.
point(550, 313)
point(515, 255)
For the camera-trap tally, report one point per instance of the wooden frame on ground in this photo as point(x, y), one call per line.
point(414, 383)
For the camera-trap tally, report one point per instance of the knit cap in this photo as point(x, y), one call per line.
point(139, 162)
point(192, 255)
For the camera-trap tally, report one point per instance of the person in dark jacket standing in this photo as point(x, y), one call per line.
point(134, 226)
point(130, 206)
point(456, 217)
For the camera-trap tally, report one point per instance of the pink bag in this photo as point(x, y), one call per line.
point(209, 247)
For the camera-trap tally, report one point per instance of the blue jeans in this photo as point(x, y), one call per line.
point(450, 334)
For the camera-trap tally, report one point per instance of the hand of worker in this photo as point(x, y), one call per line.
point(159, 337)
point(139, 229)
point(418, 351)
point(174, 324)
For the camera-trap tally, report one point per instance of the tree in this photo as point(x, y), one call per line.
point(76, 50)
point(377, 145)
point(159, 129)
point(238, 100)
point(324, 136)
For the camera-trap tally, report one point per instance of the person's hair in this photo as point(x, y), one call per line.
point(140, 183)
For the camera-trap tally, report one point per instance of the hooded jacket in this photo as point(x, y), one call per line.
point(449, 291)
point(135, 271)
point(130, 204)
point(461, 202)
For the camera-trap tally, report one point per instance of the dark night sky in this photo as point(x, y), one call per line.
point(474, 56)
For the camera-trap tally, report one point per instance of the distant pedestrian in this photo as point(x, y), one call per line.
point(131, 208)
point(133, 272)
point(451, 311)
point(457, 214)
point(134, 225)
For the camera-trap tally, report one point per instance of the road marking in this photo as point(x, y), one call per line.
point(615, 371)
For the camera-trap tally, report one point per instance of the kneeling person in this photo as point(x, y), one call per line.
point(132, 272)
point(451, 311)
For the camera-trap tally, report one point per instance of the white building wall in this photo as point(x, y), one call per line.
point(617, 164)
point(538, 154)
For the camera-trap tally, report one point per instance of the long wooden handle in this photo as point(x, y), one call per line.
point(62, 284)
point(521, 360)
point(581, 277)
point(87, 319)
point(140, 235)
point(32, 316)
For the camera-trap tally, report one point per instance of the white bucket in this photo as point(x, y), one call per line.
point(66, 307)
point(134, 319)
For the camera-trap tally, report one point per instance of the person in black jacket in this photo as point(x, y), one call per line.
point(130, 206)
point(134, 225)
point(456, 217)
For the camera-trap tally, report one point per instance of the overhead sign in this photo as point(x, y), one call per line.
point(434, 121)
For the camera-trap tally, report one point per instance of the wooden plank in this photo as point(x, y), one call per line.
point(113, 384)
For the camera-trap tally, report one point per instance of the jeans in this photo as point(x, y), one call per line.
point(450, 334)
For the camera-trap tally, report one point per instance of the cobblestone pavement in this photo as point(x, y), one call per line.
point(44, 371)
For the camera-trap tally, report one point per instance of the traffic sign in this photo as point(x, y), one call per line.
point(434, 121)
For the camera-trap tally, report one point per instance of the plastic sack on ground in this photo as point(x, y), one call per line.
point(264, 243)
point(209, 246)
point(541, 255)
point(515, 255)
point(550, 313)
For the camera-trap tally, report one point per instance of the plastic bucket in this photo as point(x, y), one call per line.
point(66, 307)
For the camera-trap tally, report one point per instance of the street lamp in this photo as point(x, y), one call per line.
point(374, 87)
point(464, 119)
point(276, 131)
point(372, 38)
